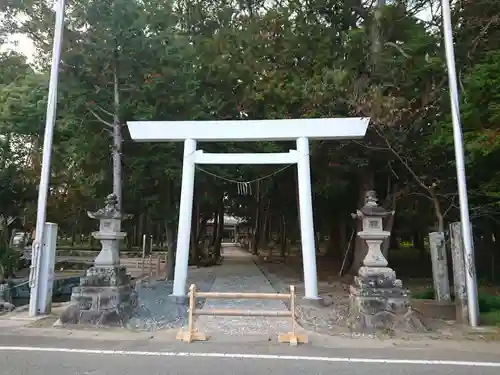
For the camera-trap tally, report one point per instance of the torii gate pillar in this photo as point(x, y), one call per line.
point(306, 219)
point(300, 130)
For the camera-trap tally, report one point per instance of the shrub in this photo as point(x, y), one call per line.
point(486, 302)
point(10, 261)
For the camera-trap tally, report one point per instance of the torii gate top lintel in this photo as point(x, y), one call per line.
point(248, 130)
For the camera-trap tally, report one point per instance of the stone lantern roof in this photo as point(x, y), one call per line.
point(371, 207)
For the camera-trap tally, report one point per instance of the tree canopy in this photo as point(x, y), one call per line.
point(198, 59)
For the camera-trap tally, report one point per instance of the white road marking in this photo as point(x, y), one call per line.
point(388, 361)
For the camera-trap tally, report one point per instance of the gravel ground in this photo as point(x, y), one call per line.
point(156, 311)
point(240, 274)
point(329, 319)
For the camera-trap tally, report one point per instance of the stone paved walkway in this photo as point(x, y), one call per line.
point(239, 273)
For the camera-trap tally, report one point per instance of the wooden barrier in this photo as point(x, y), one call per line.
point(150, 267)
point(191, 335)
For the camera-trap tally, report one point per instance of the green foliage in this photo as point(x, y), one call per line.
point(196, 60)
point(425, 294)
point(487, 303)
point(491, 318)
point(9, 261)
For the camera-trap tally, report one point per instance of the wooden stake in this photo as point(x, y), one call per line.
point(190, 335)
point(292, 337)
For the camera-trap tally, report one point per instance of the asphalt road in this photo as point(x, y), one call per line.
point(44, 363)
point(21, 355)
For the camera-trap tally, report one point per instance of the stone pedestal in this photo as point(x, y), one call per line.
point(106, 295)
point(377, 299)
point(5, 297)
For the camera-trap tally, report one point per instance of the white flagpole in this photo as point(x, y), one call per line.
point(460, 164)
point(47, 151)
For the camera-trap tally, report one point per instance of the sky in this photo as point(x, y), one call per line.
point(24, 45)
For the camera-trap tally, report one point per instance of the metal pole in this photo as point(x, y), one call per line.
point(459, 159)
point(43, 189)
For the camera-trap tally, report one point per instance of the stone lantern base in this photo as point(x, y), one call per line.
point(378, 301)
point(5, 297)
point(105, 297)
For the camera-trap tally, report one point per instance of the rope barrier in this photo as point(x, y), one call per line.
point(249, 181)
point(14, 287)
point(265, 177)
point(244, 182)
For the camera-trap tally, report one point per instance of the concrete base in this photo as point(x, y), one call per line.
point(379, 302)
point(314, 302)
point(24, 317)
point(179, 300)
point(104, 297)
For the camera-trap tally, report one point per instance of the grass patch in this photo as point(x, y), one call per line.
point(489, 306)
point(491, 318)
point(424, 294)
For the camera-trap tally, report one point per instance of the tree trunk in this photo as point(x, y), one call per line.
point(220, 231)
point(283, 241)
point(140, 228)
point(256, 229)
point(317, 240)
point(193, 246)
point(215, 228)
point(116, 148)
point(169, 235)
point(194, 253)
point(269, 230)
point(201, 229)
point(130, 237)
point(333, 244)
point(389, 223)
point(264, 225)
point(342, 236)
point(437, 210)
point(297, 202)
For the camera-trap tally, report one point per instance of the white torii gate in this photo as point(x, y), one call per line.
point(300, 130)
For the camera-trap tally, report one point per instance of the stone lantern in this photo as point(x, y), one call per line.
point(377, 298)
point(372, 215)
point(105, 295)
point(109, 234)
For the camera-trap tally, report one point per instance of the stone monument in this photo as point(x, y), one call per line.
point(377, 298)
point(105, 295)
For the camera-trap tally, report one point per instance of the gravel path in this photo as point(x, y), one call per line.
point(330, 318)
point(156, 311)
point(240, 274)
